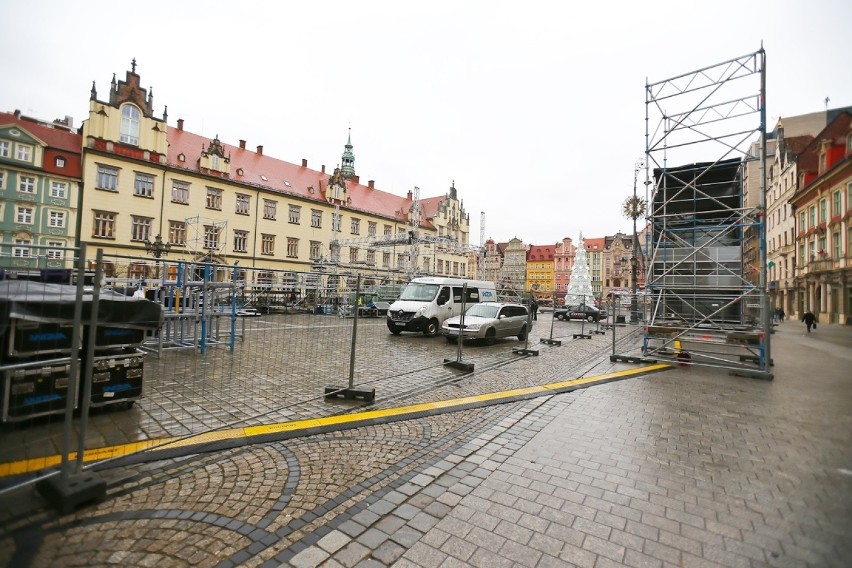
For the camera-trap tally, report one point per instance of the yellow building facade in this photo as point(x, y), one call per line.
point(153, 190)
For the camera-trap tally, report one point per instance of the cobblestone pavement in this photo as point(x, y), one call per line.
point(687, 467)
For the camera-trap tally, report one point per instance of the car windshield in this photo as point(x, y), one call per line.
point(482, 310)
point(419, 292)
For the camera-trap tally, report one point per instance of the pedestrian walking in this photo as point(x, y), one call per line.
point(781, 314)
point(810, 320)
point(534, 308)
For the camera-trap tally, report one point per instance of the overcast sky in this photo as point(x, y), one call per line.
point(534, 109)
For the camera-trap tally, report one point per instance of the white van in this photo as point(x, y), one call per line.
point(426, 302)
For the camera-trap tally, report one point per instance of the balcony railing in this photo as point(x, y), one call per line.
point(827, 264)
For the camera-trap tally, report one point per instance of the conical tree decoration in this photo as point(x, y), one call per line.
point(580, 288)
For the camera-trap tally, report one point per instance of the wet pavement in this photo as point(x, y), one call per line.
point(685, 467)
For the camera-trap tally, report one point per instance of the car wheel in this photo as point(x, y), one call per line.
point(431, 328)
point(523, 334)
point(590, 318)
point(491, 336)
point(560, 317)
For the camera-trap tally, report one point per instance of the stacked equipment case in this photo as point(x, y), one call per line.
point(37, 323)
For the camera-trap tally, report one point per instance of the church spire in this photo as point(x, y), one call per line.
point(348, 159)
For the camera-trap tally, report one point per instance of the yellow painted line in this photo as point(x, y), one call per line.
point(96, 454)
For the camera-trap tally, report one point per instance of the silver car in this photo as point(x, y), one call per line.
point(489, 321)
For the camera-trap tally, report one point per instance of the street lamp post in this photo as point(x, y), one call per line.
point(634, 207)
point(157, 249)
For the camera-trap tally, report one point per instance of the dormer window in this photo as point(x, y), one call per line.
point(60, 162)
point(130, 117)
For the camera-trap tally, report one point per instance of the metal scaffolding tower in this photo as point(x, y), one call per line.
point(706, 306)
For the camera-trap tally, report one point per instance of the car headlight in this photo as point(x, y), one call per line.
point(474, 327)
point(422, 310)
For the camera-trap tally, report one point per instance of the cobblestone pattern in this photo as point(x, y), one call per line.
point(252, 506)
point(266, 379)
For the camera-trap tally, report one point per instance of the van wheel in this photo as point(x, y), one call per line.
point(431, 328)
point(523, 334)
point(491, 336)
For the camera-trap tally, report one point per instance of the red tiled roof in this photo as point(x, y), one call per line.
point(59, 142)
point(541, 252)
point(291, 179)
point(594, 244)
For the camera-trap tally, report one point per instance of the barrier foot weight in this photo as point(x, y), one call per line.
point(367, 395)
point(78, 489)
point(582, 336)
point(461, 365)
point(550, 341)
point(522, 351)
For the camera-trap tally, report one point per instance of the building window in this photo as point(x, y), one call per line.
point(59, 189)
point(836, 204)
point(54, 250)
point(835, 243)
point(316, 250)
point(243, 204)
point(177, 232)
point(823, 210)
point(440, 267)
point(802, 224)
point(388, 230)
point(812, 216)
point(21, 248)
point(270, 209)
point(371, 228)
point(4, 149)
point(140, 229)
point(180, 192)
point(214, 198)
point(353, 254)
point(130, 116)
point(267, 244)
point(24, 152)
point(24, 215)
point(371, 257)
point(56, 219)
point(211, 237)
point(60, 162)
point(316, 218)
point(240, 241)
point(26, 184)
point(107, 178)
point(400, 261)
point(104, 225)
point(295, 213)
point(2, 179)
point(143, 185)
point(355, 226)
point(292, 247)
point(335, 222)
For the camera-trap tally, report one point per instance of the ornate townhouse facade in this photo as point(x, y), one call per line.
point(514, 274)
point(594, 256)
point(39, 189)
point(823, 207)
point(563, 263)
point(616, 267)
point(153, 187)
point(539, 270)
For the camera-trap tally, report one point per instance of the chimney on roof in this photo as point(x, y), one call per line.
point(304, 163)
point(17, 113)
point(180, 124)
point(242, 144)
point(260, 150)
point(356, 179)
point(409, 194)
point(323, 168)
point(371, 184)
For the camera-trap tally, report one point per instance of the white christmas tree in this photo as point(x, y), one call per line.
point(580, 288)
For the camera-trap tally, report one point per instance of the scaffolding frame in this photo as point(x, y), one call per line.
point(704, 306)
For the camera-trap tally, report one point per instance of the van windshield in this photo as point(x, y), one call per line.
point(419, 292)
